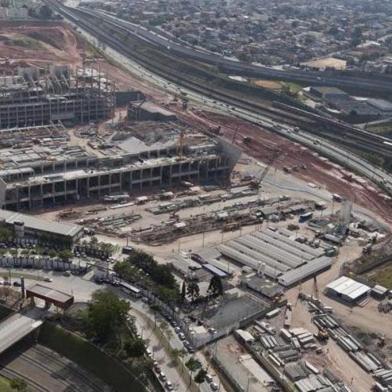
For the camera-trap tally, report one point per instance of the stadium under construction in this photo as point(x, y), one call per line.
point(34, 96)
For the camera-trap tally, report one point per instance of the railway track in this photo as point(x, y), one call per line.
point(38, 358)
point(59, 364)
point(350, 137)
point(33, 385)
point(263, 116)
point(171, 74)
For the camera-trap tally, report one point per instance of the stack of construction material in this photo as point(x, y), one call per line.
point(325, 320)
point(268, 342)
point(314, 383)
point(304, 337)
point(384, 376)
point(385, 306)
point(295, 371)
point(368, 363)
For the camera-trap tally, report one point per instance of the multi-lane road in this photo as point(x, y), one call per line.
point(331, 150)
point(341, 79)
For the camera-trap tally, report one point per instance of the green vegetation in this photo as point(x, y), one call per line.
point(26, 42)
point(380, 129)
point(200, 376)
point(5, 234)
point(193, 364)
point(106, 315)
point(215, 287)
point(382, 276)
point(5, 385)
point(18, 384)
point(291, 88)
point(141, 268)
point(90, 357)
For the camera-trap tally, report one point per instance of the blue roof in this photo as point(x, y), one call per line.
point(215, 271)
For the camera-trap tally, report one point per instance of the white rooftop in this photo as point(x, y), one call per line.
point(348, 287)
point(34, 223)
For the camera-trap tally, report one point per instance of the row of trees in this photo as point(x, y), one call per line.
point(142, 269)
point(190, 288)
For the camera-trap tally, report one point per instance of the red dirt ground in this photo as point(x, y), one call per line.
point(318, 170)
point(58, 43)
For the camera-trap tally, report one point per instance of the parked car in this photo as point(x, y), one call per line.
point(47, 279)
point(214, 386)
point(209, 378)
point(169, 386)
point(162, 376)
point(17, 284)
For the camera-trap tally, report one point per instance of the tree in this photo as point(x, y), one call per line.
point(135, 348)
point(5, 234)
point(106, 313)
point(193, 364)
point(45, 12)
point(183, 292)
point(193, 290)
point(200, 376)
point(65, 255)
point(176, 354)
point(18, 384)
point(215, 287)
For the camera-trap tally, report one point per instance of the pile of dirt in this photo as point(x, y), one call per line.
point(39, 43)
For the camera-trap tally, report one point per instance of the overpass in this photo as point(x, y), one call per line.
point(348, 79)
point(18, 326)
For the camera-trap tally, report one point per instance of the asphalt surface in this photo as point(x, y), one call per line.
point(236, 67)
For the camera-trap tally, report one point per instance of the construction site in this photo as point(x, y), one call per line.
point(300, 244)
point(34, 96)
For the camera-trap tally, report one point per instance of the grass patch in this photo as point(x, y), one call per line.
point(5, 385)
point(293, 88)
point(89, 357)
point(382, 276)
point(26, 42)
point(380, 129)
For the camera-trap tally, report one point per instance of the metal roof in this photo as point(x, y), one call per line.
point(215, 271)
point(31, 222)
point(348, 287)
point(49, 293)
point(305, 271)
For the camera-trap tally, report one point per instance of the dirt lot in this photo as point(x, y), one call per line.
point(45, 43)
point(39, 43)
point(307, 164)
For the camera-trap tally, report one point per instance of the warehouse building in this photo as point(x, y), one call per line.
point(276, 255)
point(347, 290)
point(26, 226)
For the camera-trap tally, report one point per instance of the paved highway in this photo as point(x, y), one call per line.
point(320, 145)
point(240, 68)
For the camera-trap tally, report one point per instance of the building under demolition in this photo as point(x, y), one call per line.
point(36, 96)
point(47, 171)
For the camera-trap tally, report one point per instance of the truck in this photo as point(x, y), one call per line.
point(305, 217)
